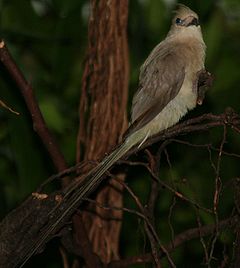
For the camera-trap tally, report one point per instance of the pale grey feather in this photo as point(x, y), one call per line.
point(161, 77)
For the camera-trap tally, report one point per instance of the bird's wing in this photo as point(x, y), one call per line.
point(161, 78)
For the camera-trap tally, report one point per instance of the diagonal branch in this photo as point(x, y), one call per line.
point(39, 124)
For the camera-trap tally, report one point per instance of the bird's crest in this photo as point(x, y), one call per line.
point(183, 11)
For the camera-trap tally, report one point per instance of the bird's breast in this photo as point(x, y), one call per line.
point(169, 116)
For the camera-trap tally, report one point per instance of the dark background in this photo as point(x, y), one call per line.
point(48, 40)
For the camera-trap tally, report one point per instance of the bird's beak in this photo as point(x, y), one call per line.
point(190, 21)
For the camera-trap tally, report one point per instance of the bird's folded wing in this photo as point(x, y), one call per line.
point(161, 78)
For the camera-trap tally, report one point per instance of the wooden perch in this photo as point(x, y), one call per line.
point(22, 220)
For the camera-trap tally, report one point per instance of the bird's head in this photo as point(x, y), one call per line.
point(185, 20)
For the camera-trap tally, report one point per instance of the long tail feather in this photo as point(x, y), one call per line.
point(93, 179)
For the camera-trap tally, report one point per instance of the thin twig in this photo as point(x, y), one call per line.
point(140, 206)
point(131, 211)
point(5, 106)
point(218, 186)
point(201, 236)
point(176, 193)
point(178, 241)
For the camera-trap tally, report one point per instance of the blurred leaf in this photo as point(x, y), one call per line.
point(155, 16)
point(52, 115)
point(64, 8)
point(213, 35)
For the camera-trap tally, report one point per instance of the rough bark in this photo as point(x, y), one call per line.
point(103, 103)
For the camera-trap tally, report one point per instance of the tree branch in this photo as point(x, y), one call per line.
point(39, 124)
point(202, 123)
point(178, 241)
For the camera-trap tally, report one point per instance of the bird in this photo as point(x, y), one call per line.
point(167, 91)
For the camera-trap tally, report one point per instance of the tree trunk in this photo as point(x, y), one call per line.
point(103, 115)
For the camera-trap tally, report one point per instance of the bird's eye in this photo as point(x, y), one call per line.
point(178, 21)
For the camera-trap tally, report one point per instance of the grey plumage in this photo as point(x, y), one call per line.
point(157, 85)
point(167, 90)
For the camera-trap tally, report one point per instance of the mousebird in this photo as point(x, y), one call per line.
point(167, 91)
